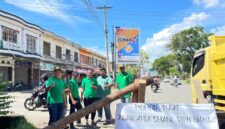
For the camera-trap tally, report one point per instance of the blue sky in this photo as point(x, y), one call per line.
point(156, 19)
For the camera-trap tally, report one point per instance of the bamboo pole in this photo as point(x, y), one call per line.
point(95, 106)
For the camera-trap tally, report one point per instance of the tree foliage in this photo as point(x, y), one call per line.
point(144, 59)
point(163, 64)
point(185, 43)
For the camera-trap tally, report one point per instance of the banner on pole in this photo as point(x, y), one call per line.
point(165, 116)
point(128, 45)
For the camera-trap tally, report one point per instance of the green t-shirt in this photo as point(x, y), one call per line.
point(88, 91)
point(123, 80)
point(55, 94)
point(74, 87)
point(102, 81)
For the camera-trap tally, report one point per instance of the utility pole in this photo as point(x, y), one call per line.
point(113, 51)
point(104, 10)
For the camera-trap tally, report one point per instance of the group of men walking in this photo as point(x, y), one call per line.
point(92, 90)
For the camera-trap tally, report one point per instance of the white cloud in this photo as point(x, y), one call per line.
point(155, 46)
point(53, 8)
point(219, 30)
point(207, 3)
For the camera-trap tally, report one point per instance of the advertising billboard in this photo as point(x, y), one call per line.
point(127, 45)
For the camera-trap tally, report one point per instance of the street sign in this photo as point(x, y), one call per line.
point(165, 116)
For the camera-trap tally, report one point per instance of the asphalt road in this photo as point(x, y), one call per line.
point(166, 94)
point(169, 94)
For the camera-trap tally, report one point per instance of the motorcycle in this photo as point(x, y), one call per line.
point(175, 83)
point(18, 86)
point(155, 85)
point(37, 99)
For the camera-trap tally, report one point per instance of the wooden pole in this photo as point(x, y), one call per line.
point(95, 106)
point(141, 91)
point(135, 97)
point(199, 93)
point(135, 93)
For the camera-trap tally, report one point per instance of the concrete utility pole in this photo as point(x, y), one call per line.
point(104, 10)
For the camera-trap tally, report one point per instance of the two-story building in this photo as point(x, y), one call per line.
point(27, 51)
point(90, 60)
point(57, 51)
point(19, 48)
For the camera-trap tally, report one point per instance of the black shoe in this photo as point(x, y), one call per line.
point(72, 126)
point(108, 122)
point(79, 122)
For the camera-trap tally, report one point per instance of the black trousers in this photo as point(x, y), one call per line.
point(88, 101)
point(78, 106)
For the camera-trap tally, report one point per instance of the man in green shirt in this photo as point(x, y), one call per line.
point(74, 98)
point(105, 82)
point(55, 97)
point(123, 79)
point(89, 90)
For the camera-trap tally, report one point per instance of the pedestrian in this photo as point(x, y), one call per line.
point(55, 96)
point(123, 79)
point(74, 98)
point(89, 91)
point(105, 82)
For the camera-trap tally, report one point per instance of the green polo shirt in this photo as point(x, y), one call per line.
point(55, 94)
point(123, 80)
point(102, 81)
point(88, 91)
point(74, 88)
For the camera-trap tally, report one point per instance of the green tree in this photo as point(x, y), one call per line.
point(163, 64)
point(185, 43)
point(144, 59)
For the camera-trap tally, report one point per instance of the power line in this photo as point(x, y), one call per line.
point(92, 11)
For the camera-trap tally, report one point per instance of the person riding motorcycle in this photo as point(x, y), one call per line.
point(39, 95)
point(156, 84)
point(42, 87)
point(175, 80)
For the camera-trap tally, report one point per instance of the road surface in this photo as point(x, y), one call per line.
point(166, 94)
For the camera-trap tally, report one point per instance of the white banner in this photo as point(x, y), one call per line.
point(165, 116)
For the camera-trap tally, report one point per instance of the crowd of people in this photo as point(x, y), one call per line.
point(59, 88)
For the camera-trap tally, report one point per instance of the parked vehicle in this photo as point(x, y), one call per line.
point(208, 70)
point(18, 86)
point(37, 99)
point(167, 79)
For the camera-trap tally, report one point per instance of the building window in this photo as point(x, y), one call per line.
point(92, 62)
point(31, 44)
point(58, 52)
point(9, 35)
point(88, 60)
point(46, 49)
point(67, 54)
point(75, 57)
point(81, 59)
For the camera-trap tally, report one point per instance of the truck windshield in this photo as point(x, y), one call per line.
point(198, 63)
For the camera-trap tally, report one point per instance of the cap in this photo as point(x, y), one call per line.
point(122, 66)
point(57, 68)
